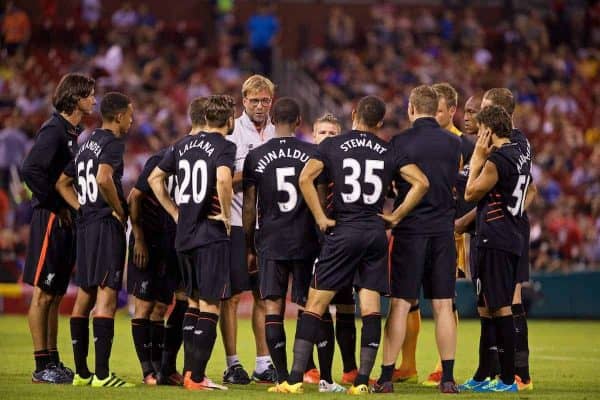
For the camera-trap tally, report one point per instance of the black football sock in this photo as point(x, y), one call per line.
point(157, 334)
point(204, 341)
point(484, 368)
point(311, 361)
point(173, 337)
point(140, 330)
point(104, 332)
point(42, 359)
point(80, 338)
point(345, 333)
point(387, 371)
point(369, 344)
point(493, 352)
point(326, 347)
point(54, 356)
point(505, 333)
point(521, 342)
point(275, 333)
point(447, 371)
point(306, 335)
point(189, 324)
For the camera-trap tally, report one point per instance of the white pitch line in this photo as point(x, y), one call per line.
point(564, 358)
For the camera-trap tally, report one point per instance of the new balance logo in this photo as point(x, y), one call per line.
point(188, 328)
point(95, 339)
point(74, 341)
point(198, 332)
point(485, 240)
point(373, 344)
point(322, 344)
point(49, 279)
point(147, 345)
point(279, 345)
point(144, 286)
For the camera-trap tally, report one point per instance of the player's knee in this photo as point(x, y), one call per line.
point(441, 306)
point(158, 311)
point(273, 306)
point(232, 302)
point(41, 298)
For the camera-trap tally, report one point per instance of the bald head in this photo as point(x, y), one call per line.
point(472, 107)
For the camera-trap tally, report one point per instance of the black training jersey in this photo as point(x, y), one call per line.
point(286, 227)
point(194, 160)
point(103, 147)
point(361, 167)
point(437, 153)
point(54, 147)
point(467, 146)
point(154, 218)
point(521, 140)
point(500, 212)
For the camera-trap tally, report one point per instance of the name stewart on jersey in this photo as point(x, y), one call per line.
point(362, 142)
point(197, 144)
point(273, 155)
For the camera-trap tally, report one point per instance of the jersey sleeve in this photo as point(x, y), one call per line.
point(321, 151)
point(112, 153)
point(227, 157)
point(168, 163)
point(249, 178)
point(142, 182)
point(400, 158)
point(501, 164)
point(70, 169)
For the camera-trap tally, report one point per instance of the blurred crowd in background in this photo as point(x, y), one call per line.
point(548, 56)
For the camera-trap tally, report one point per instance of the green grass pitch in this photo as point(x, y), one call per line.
point(565, 357)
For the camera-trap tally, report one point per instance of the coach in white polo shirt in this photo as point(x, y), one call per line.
point(252, 129)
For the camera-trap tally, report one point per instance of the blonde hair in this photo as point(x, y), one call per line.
point(329, 118)
point(257, 83)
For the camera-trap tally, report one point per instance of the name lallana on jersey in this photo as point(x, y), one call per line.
point(197, 144)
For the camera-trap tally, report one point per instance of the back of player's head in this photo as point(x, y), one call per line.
point(70, 89)
point(447, 92)
point(197, 111)
point(424, 100)
point(113, 104)
point(497, 119)
point(257, 83)
point(219, 109)
point(502, 97)
point(285, 111)
point(370, 110)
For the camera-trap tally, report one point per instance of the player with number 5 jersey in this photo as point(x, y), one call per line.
point(361, 167)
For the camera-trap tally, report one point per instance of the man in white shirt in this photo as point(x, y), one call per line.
point(252, 129)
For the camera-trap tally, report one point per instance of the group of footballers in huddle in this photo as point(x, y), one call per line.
point(242, 204)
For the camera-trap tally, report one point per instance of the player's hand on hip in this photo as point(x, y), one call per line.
point(140, 254)
point(389, 220)
point(120, 218)
point(64, 218)
point(221, 217)
point(325, 224)
point(460, 226)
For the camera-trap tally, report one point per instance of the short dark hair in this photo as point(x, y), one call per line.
point(112, 104)
point(70, 89)
point(424, 99)
point(285, 111)
point(446, 91)
point(370, 110)
point(497, 119)
point(502, 97)
point(219, 108)
point(197, 111)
